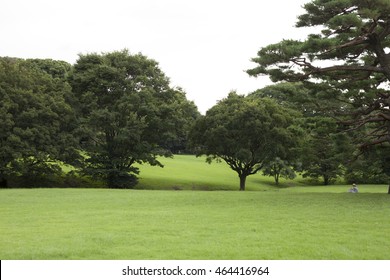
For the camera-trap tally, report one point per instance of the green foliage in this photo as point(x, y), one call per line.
point(245, 133)
point(279, 168)
point(280, 54)
point(323, 152)
point(37, 123)
point(373, 166)
point(347, 60)
point(297, 96)
point(128, 114)
point(55, 68)
point(324, 149)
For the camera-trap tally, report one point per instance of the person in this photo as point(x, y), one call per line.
point(354, 189)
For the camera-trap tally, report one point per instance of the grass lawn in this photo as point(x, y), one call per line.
point(184, 172)
point(294, 221)
point(141, 224)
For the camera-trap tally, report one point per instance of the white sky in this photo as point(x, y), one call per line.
point(203, 46)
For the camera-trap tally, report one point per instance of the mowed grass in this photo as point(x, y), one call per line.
point(132, 224)
point(294, 221)
point(186, 172)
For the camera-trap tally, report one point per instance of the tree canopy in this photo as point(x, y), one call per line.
point(37, 123)
point(245, 132)
point(348, 59)
point(128, 113)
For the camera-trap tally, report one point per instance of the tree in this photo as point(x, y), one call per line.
point(291, 95)
point(325, 151)
point(244, 132)
point(371, 167)
point(37, 123)
point(279, 168)
point(348, 58)
point(128, 114)
point(183, 115)
point(320, 128)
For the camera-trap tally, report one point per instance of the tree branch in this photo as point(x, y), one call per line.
point(354, 68)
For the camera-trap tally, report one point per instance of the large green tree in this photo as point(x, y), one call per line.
point(128, 114)
point(37, 123)
point(325, 149)
point(348, 58)
point(246, 133)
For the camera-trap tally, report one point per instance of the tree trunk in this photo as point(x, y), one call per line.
point(3, 183)
point(326, 180)
point(276, 179)
point(242, 182)
point(111, 181)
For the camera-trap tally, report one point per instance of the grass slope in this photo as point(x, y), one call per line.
point(142, 224)
point(185, 172)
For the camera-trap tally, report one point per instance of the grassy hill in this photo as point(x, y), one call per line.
point(186, 172)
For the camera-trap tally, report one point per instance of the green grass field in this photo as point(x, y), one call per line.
point(266, 222)
point(185, 172)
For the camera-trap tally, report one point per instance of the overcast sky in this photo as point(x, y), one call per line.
point(203, 46)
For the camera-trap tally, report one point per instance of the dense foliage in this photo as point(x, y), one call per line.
point(37, 123)
point(345, 70)
point(128, 112)
point(246, 133)
point(323, 147)
point(102, 115)
point(348, 60)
